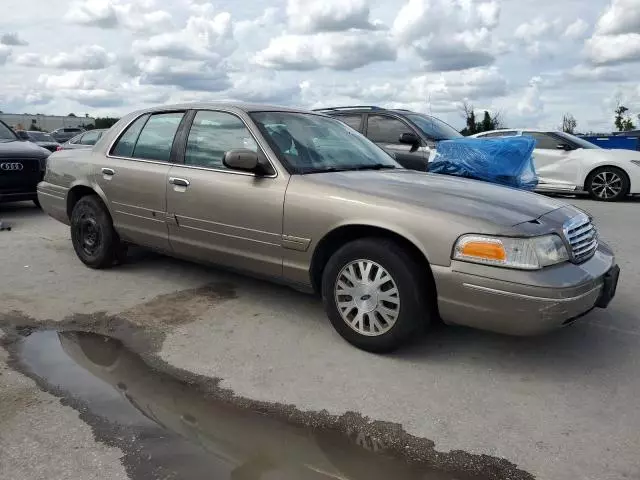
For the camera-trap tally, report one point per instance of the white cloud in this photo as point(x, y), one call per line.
point(576, 29)
point(98, 13)
point(449, 34)
point(616, 38)
point(92, 57)
point(12, 39)
point(613, 49)
point(136, 16)
point(621, 16)
point(313, 16)
point(530, 104)
point(187, 75)
point(5, 52)
point(346, 51)
point(201, 38)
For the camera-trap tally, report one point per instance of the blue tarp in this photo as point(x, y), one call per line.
point(507, 160)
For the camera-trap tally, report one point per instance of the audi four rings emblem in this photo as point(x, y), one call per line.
point(13, 167)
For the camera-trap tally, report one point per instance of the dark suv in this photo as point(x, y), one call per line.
point(408, 136)
point(22, 166)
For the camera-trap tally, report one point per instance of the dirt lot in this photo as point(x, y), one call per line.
point(561, 406)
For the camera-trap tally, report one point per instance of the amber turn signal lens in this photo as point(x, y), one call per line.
point(486, 250)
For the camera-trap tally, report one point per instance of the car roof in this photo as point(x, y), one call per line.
point(237, 106)
point(366, 108)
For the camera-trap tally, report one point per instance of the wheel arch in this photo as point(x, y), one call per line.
point(595, 168)
point(344, 234)
point(79, 190)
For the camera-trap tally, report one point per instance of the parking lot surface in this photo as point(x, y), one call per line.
point(559, 406)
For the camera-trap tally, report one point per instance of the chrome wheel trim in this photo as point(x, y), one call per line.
point(367, 297)
point(606, 185)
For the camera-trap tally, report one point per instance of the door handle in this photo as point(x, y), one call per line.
point(179, 182)
point(108, 171)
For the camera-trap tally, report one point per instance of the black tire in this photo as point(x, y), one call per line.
point(416, 304)
point(95, 241)
point(595, 192)
point(36, 202)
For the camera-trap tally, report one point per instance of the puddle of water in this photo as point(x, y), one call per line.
point(168, 429)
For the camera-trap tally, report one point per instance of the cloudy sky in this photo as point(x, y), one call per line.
point(531, 60)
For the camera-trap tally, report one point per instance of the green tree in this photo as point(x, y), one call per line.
point(489, 122)
point(622, 121)
point(105, 122)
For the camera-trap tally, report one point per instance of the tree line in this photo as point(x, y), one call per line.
point(622, 121)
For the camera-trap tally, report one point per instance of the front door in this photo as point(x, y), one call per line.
point(219, 215)
point(385, 131)
point(556, 168)
point(134, 179)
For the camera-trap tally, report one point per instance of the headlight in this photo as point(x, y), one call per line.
point(522, 253)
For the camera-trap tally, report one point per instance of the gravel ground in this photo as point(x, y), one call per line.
point(561, 406)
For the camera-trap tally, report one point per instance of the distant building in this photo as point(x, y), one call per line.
point(47, 123)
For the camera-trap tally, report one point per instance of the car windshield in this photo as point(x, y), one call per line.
point(580, 142)
point(6, 134)
point(308, 143)
point(434, 128)
point(40, 137)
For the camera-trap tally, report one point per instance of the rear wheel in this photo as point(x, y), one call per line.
point(95, 241)
point(608, 184)
point(375, 295)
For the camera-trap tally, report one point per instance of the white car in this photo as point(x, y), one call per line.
point(568, 164)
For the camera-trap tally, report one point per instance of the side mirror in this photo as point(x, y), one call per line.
point(409, 138)
point(241, 159)
point(564, 146)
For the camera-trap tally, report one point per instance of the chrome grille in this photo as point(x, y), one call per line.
point(582, 236)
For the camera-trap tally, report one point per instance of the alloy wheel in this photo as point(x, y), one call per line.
point(367, 297)
point(607, 185)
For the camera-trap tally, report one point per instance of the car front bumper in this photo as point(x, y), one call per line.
point(525, 303)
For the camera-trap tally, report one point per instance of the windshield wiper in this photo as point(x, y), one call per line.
point(376, 166)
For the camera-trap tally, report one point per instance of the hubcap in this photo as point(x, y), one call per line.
point(90, 234)
point(606, 184)
point(367, 298)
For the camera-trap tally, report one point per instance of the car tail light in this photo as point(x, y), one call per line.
point(58, 148)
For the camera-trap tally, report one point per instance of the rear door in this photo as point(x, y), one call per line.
point(134, 175)
point(385, 131)
point(220, 215)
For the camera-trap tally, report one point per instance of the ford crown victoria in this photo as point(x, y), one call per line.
point(301, 198)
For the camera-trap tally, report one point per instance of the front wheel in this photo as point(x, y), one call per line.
point(375, 295)
point(95, 241)
point(608, 184)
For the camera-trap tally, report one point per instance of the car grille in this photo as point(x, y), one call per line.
point(27, 177)
point(582, 236)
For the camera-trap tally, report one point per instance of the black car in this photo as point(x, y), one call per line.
point(39, 138)
point(22, 166)
point(407, 136)
point(65, 134)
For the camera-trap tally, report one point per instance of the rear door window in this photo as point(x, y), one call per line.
point(354, 121)
point(126, 143)
point(89, 138)
point(544, 140)
point(156, 139)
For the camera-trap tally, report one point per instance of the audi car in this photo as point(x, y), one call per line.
point(22, 166)
point(42, 139)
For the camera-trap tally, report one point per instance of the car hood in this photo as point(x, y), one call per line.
point(19, 149)
point(495, 204)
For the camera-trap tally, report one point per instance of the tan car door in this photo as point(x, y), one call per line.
point(219, 215)
point(133, 177)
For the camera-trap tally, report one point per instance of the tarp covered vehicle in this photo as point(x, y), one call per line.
point(507, 161)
